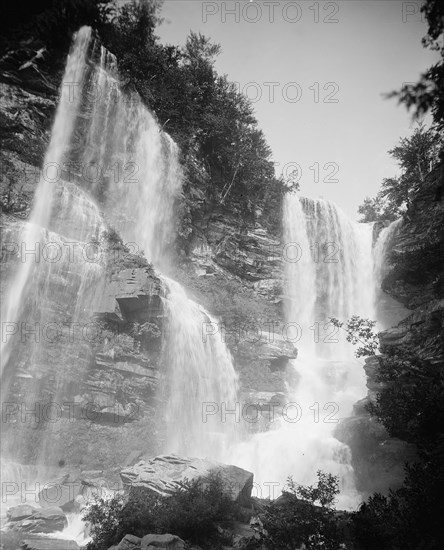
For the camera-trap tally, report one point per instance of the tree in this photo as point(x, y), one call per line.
point(410, 405)
point(415, 156)
point(360, 331)
point(204, 112)
point(375, 210)
point(193, 513)
point(428, 93)
point(304, 515)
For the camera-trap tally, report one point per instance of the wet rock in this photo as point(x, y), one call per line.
point(39, 543)
point(164, 474)
point(38, 520)
point(133, 295)
point(170, 542)
point(129, 542)
point(20, 512)
point(378, 460)
point(416, 274)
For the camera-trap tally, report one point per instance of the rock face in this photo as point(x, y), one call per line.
point(107, 378)
point(414, 277)
point(417, 276)
point(48, 544)
point(150, 542)
point(164, 474)
point(28, 97)
point(234, 267)
point(29, 519)
point(378, 460)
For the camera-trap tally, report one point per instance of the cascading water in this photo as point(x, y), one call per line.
point(52, 274)
point(388, 311)
point(202, 381)
point(115, 154)
point(328, 273)
point(381, 250)
point(106, 148)
point(141, 209)
point(43, 205)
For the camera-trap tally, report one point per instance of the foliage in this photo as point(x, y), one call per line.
point(376, 209)
point(304, 516)
point(410, 405)
point(428, 93)
point(104, 516)
point(415, 156)
point(203, 111)
point(409, 518)
point(192, 513)
point(54, 21)
point(359, 330)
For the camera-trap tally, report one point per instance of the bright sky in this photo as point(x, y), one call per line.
point(316, 72)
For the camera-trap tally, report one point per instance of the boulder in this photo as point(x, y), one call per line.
point(165, 473)
point(171, 542)
point(39, 543)
point(37, 520)
point(22, 511)
point(129, 542)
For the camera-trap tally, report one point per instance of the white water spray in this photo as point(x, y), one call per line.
point(328, 273)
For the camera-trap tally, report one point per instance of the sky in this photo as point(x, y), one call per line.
point(316, 73)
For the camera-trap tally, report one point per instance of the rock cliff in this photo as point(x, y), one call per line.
point(415, 278)
point(109, 396)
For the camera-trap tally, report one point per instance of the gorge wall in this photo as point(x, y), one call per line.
point(230, 264)
point(413, 277)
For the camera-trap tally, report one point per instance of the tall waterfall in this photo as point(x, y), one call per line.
point(388, 311)
point(43, 205)
point(108, 159)
point(203, 382)
point(328, 273)
point(381, 249)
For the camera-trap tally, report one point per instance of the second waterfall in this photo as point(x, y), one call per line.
point(328, 272)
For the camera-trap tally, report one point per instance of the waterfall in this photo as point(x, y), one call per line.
point(108, 159)
point(202, 381)
point(328, 273)
point(381, 250)
point(140, 205)
point(56, 282)
point(43, 204)
point(389, 311)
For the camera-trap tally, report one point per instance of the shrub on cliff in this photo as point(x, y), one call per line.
point(415, 155)
point(410, 405)
point(303, 515)
point(193, 513)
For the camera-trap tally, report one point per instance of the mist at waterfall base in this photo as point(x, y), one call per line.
point(116, 130)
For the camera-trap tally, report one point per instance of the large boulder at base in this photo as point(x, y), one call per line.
point(36, 520)
point(171, 542)
point(48, 544)
point(164, 474)
point(129, 542)
point(22, 511)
